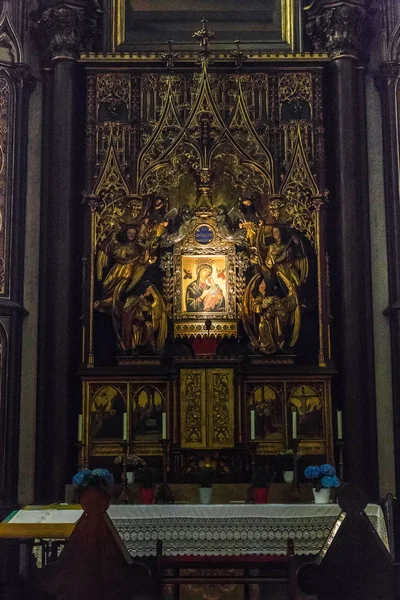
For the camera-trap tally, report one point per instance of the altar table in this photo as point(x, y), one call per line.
point(215, 529)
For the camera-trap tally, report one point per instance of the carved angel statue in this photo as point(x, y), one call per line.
point(248, 220)
point(130, 261)
point(129, 251)
point(272, 306)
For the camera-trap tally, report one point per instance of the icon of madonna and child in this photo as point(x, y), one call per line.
point(207, 292)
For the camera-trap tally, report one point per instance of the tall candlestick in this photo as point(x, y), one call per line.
point(252, 425)
point(294, 425)
point(339, 425)
point(164, 426)
point(125, 427)
point(80, 428)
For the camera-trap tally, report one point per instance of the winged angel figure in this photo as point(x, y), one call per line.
point(272, 304)
point(138, 310)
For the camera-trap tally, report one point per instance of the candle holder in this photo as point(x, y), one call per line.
point(123, 497)
point(252, 448)
point(82, 462)
point(340, 446)
point(164, 492)
point(295, 447)
point(295, 443)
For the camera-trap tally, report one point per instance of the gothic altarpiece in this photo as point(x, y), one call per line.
point(205, 279)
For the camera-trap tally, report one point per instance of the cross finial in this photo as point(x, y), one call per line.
point(169, 56)
point(204, 36)
point(238, 55)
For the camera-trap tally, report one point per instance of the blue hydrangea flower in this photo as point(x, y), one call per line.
point(80, 476)
point(312, 472)
point(327, 470)
point(104, 474)
point(329, 482)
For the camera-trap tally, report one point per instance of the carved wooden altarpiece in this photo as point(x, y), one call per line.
point(206, 284)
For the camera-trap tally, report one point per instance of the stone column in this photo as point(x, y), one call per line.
point(340, 28)
point(388, 83)
point(16, 85)
point(61, 30)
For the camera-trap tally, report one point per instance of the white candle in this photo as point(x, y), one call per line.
point(294, 425)
point(339, 425)
point(80, 428)
point(125, 427)
point(164, 426)
point(252, 425)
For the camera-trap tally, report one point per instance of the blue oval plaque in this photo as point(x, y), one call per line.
point(204, 234)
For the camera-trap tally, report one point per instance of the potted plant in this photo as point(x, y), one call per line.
point(94, 488)
point(205, 477)
point(286, 458)
point(134, 464)
point(263, 475)
point(147, 477)
point(322, 478)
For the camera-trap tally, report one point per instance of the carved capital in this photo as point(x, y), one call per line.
point(387, 76)
point(65, 31)
point(339, 30)
point(23, 77)
point(92, 201)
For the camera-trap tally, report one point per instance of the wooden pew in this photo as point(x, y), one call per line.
point(354, 563)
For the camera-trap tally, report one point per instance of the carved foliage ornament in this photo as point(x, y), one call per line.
point(203, 131)
point(294, 87)
point(340, 30)
point(113, 89)
point(65, 31)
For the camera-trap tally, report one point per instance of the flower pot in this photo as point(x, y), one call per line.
point(322, 496)
point(288, 476)
point(146, 495)
point(205, 495)
point(130, 477)
point(260, 495)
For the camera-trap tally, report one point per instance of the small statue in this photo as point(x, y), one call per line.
point(130, 262)
point(272, 305)
point(138, 318)
point(140, 322)
point(265, 317)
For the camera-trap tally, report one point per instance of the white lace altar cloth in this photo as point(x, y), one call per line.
point(217, 529)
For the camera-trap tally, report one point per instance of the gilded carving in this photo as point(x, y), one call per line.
point(113, 92)
point(204, 145)
point(272, 301)
point(295, 87)
point(208, 274)
point(111, 189)
point(221, 406)
point(299, 190)
point(198, 121)
point(192, 403)
point(207, 424)
point(137, 308)
point(120, 135)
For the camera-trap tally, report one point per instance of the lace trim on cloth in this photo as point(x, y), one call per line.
point(241, 535)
